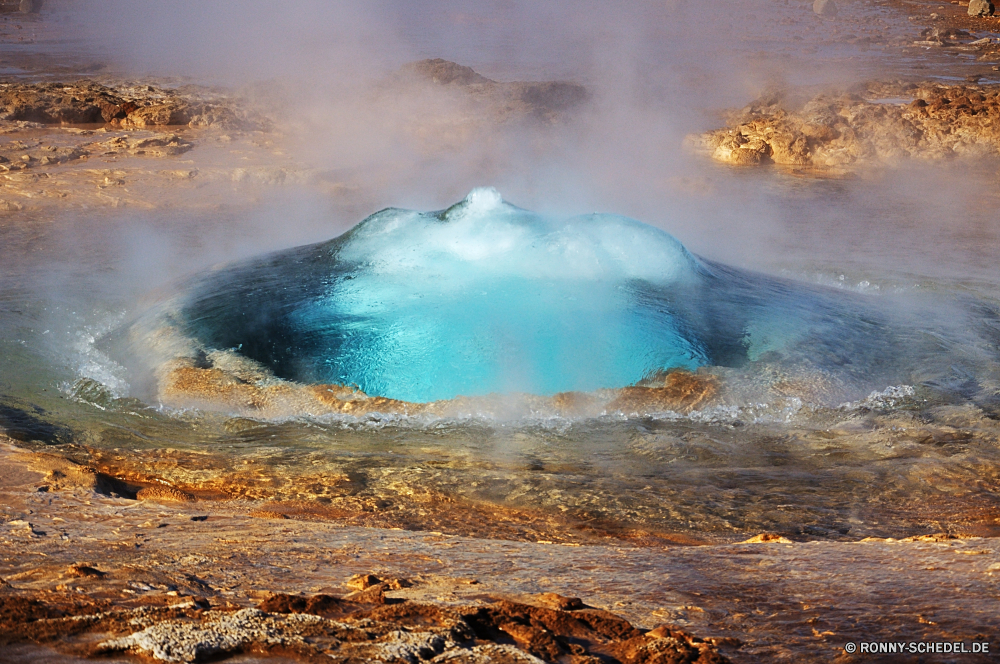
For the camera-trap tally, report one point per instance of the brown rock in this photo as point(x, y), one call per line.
point(171, 113)
point(546, 100)
point(267, 514)
point(55, 103)
point(80, 570)
point(767, 538)
point(159, 146)
point(667, 643)
point(981, 8)
point(362, 581)
point(681, 391)
point(110, 111)
point(326, 606)
point(164, 493)
point(357, 632)
point(574, 403)
point(555, 601)
point(371, 595)
point(837, 132)
point(444, 72)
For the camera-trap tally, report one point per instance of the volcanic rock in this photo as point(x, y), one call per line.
point(327, 606)
point(80, 570)
point(55, 103)
point(85, 102)
point(546, 100)
point(680, 391)
point(445, 72)
point(981, 8)
point(844, 130)
point(164, 493)
point(362, 581)
point(767, 538)
point(160, 114)
point(557, 601)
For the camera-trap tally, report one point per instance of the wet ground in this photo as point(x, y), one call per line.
point(875, 519)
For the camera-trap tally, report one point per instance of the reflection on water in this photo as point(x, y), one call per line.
point(901, 462)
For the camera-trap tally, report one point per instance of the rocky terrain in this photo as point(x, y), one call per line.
point(883, 122)
point(128, 106)
point(118, 554)
point(86, 144)
point(87, 571)
point(879, 124)
point(361, 626)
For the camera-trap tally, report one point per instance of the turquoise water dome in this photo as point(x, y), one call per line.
point(483, 297)
point(486, 297)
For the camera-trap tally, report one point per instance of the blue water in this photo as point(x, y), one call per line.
point(486, 297)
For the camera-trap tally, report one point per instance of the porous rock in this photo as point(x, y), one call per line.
point(171, 641)
point(55, 103)
point(362, 581)
point(840, 131)
point(767, 538)
point(164, 493)
point(158, 115)
point(679, 391)
point(445, 72)
point(86, 102)
point(80, 570)
point(981, 8)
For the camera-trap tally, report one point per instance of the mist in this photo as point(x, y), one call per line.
point(655, 73)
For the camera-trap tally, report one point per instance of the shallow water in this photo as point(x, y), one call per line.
point(898, 436)
point(920, 456)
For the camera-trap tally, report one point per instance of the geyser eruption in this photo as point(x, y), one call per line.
point(485, 297)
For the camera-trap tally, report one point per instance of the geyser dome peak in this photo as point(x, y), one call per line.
point(479, 200)
point(485, 297)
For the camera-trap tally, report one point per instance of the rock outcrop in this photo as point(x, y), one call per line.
point(981, 8)
point(328, 628)
point(134, 107)
point(881, 123)
point(545, 100)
